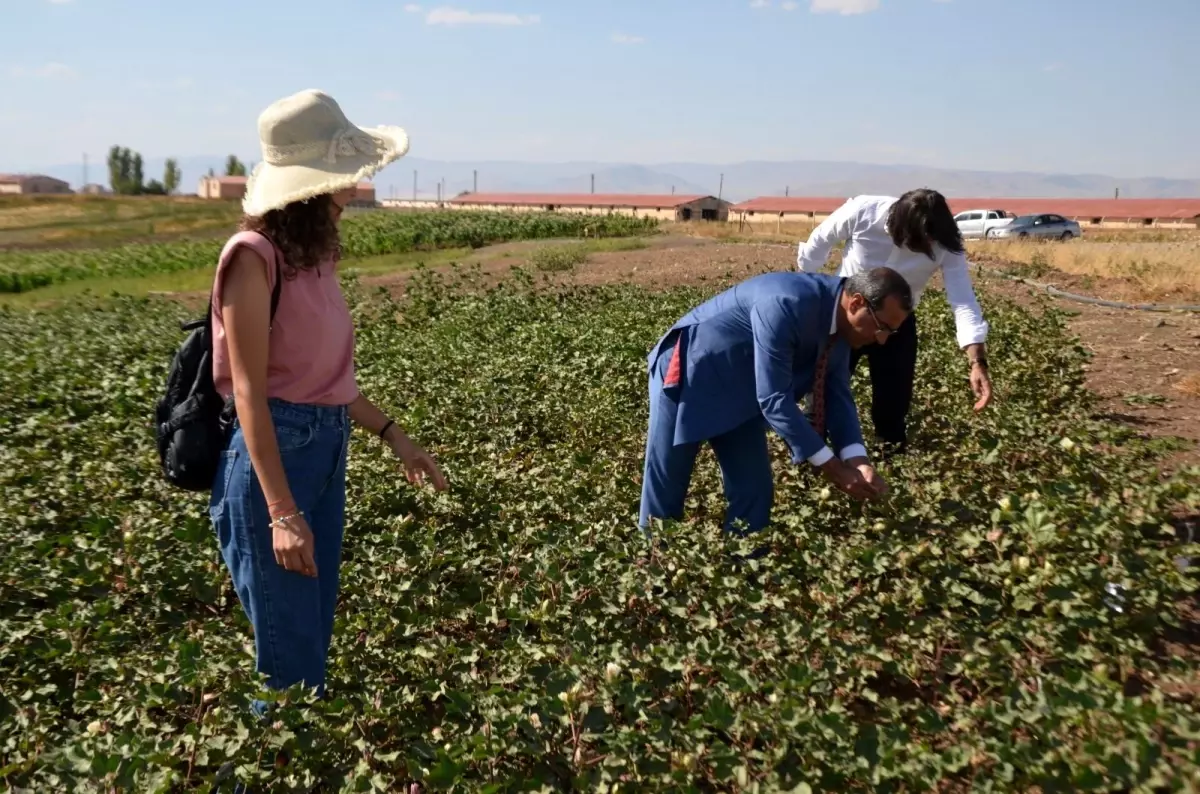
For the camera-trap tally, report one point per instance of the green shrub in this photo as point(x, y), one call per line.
point(559, 257)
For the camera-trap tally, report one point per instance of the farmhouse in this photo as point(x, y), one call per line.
point(30, 184)
point(665, 207)
point(1126, 213)
point(222, 187)
point(364, 195)
point(231, 188)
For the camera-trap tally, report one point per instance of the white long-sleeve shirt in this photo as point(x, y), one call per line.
point(862, 221)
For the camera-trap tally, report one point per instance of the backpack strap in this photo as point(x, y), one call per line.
point(275, 291)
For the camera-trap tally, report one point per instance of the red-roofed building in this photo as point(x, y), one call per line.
point(667, 207)
point(1127, 213)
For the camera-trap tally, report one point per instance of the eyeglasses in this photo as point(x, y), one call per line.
point(881, 328)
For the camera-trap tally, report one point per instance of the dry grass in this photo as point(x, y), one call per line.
point(1189, 385)
point(794, 232)
point(1156, 268)
point(62, 221)
point(1141, 235)
point(786, 233)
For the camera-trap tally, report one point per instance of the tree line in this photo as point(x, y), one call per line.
point(126, 175)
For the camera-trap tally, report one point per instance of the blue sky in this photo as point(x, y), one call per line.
point(1103, 86)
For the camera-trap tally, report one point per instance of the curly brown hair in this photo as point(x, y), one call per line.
point(305, 231)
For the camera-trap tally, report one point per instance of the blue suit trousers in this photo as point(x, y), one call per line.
point(741, 453)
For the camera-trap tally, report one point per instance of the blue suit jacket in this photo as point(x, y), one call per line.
point(752, 350)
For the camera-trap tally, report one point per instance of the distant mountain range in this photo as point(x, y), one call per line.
point(740, 180)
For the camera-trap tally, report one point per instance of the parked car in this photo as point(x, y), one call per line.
point(982, 223)
point(1047, 225)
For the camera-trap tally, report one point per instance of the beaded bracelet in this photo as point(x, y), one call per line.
point(281, 520)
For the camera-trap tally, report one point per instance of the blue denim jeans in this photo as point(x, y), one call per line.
point(291, 614)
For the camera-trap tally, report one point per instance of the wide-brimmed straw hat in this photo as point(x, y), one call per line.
point(309, 147)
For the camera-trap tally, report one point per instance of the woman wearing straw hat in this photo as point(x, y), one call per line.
point(279, 494)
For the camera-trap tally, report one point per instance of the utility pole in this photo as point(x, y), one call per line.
point(593, 183)
point(85, 173)
point(721, 189)
point(672, 190)
point(1117, 193)
point(787, 191)
point(439, 192)
point(414, 184)
point(475, 181)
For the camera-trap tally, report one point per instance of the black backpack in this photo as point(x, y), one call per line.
point(192, 420)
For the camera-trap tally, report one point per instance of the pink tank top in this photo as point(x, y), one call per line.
point(311, 346)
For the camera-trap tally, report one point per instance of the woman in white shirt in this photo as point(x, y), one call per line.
point(916, 236)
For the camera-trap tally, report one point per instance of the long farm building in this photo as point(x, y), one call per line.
point(1129, 213)
point(1126, 213)
point(666, 207)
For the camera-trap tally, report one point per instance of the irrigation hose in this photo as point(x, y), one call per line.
point(1058, 293)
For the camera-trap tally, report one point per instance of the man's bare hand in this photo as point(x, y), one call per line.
point(873, 479)
point(847, 479)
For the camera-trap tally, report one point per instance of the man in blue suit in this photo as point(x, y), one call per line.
point(737, 364)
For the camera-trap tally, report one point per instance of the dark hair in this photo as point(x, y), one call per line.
point(920, 218)
point(305, 231)
point(877, 284)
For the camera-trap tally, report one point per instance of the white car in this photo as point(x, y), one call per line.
point(977, 224)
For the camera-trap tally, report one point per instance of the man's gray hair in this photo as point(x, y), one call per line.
point(877, 284)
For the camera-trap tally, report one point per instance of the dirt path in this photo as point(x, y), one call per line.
point(1145, 366)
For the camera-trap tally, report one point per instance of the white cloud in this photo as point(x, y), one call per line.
point(50, 71)
point(759, 3)
point(843, 7)
point(625, 38)
point(454, 16)
point(412, 8)
point(1052, 67)
point(789, 5)
point(387, 96)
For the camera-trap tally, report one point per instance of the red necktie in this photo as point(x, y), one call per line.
point(673, 368)
point(818, 392)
